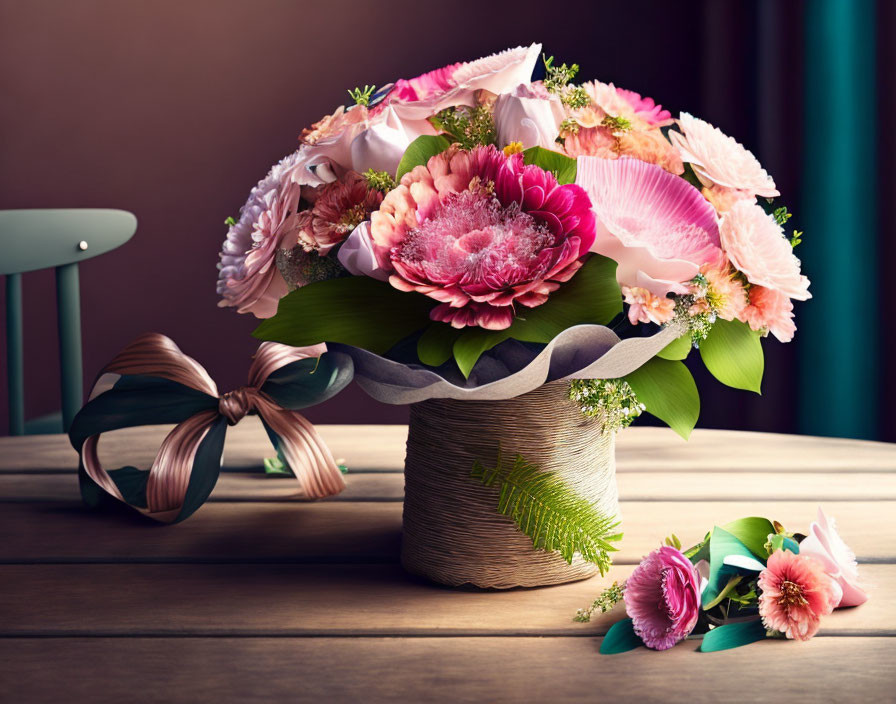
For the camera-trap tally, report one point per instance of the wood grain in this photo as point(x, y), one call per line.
point(498, 670)
point(366, 532)
point(325, 600)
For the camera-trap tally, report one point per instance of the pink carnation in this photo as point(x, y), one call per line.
point(724, 293)
point(769, 310)
point(720, 159)
point(795, 594)
point(756, 245)
point(662, 597)
point(480, 232)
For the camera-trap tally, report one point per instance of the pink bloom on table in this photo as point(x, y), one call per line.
point(480, 232)
point(756, 245)
point(619, 102)
point(662, 597)
point(656, 226)
point(719, 159)
point(838, 560)
point(530, 115)
point(644, 307)
point(795, 594)
point(769, 310)
point(339, 207)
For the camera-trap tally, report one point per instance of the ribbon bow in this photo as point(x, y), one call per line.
point(152, 382)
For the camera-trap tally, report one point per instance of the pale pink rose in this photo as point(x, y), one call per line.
point(769, 310)
point(825, 545)
point(720, 159)
point(529, 115)
point(656, 226)
point(618, 102)
point(756, 246)
point(644, 307)
point(795, 594)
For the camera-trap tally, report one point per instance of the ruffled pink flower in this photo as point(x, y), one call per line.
point(662, 597)
point(724, 293)
point(720, 159)
point(644, 307)
point(838, 560)
point(795, 594)
point(480, 232)
point(646, 145)
point(619, 102)
point(771, 311)
point(656, 226)
point(339, 207)
point(756, 245)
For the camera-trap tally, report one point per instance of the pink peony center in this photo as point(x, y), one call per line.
point(471, 238)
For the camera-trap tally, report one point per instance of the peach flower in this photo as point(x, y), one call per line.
point(769, 310)
point(646, 145)
point(724, 293)
point(618, 102)
point(644, 307)
point(795, 594)
point(756, 245)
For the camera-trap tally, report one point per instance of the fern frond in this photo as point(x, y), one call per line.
point(549, 512)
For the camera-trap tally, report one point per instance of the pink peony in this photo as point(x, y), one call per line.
point(656, 226)
point(769, 310)
point(795, 594)
point(662, 597)
point(618, 102)
point(756, 245)
point(720, 159)
point(644, 307)
point(339, 207)
point(480, 232)
point(839, 562)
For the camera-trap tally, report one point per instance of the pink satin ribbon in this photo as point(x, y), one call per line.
point(156, 355)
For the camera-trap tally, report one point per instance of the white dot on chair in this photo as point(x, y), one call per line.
point(82, 245)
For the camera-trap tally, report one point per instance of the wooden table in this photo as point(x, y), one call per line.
point(260, 597)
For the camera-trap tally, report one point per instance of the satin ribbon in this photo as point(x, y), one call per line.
point(151, 382)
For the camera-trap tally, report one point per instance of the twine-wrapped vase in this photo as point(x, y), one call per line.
point(453, 532)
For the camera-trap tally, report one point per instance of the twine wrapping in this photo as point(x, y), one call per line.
point(453, 533)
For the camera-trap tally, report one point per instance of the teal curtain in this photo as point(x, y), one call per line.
point(839, 361)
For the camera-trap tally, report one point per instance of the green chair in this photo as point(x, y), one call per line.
point(40, 239)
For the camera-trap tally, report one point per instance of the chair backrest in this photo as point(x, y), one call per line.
point(40, 239)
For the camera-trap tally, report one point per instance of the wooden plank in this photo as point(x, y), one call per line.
point(633, 486)
point(380, 448)
point(361, 531)
point(325, 600)
point(438, 670)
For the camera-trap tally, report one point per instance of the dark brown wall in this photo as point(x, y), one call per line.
point(173, 109)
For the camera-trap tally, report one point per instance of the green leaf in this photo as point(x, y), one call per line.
point(552, 514)
point(274, 466)
point(753, 532)
point(722, 544)
point(733, 354)
point(591, 296)
point(353, 310)
point(559, 164)
point(678, 349)
point(667, 390)
point(620, 638)
point(420, 151)
point(435, 345)
point(732, 635)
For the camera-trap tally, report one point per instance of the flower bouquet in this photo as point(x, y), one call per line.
point(746, 581)
point(527, 263)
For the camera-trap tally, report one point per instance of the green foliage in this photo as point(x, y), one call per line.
point(468, 126)
point(620, 638)
point(557, 77)
point(617, 124)
point(732, 352)
point(436, 344)
point(379, 180)
point(354, 310)
point(678, 349)
point(362, 96)
point(781, 215)
point(733, 635)
point(229, 221)
point(608, 598)
point(610, 400)
point(550, 513)
point(420, 151)
point(563, 168)
point(591, 296)
point(753, 532)
point(667, 390)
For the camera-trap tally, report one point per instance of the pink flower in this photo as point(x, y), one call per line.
point(618, 102)
point(530, 115)
point(771, 311)
point(647, 145)
point(795, 594)
point(644, 307)
point(656, 226)
point(720, 159)
point(339, 207)
point(480, 232)
point(425, 85)
point(662, 597)
point(724, 293)
point(723, 199)
point(839, 562)
point(756, 245)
